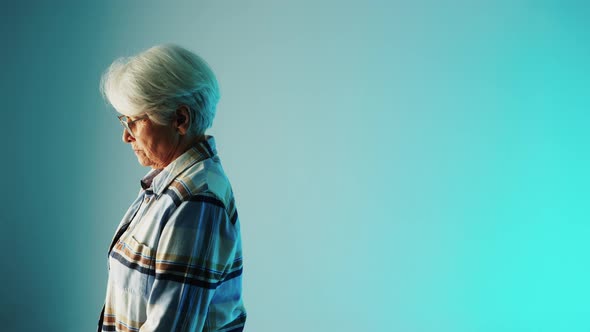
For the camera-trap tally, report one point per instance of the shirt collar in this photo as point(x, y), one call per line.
point(158, 179)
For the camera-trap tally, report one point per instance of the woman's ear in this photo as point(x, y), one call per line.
point(183, 119)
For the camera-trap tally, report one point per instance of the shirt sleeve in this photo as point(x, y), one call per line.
point(197, 286)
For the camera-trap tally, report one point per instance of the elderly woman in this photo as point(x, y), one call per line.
point(175, 262)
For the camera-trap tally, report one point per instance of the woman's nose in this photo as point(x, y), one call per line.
point(127, 138)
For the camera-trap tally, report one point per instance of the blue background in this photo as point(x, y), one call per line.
point(398, 166)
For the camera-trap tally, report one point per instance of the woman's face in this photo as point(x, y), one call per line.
point(155, 145)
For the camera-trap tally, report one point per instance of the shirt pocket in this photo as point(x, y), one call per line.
point(132, 264)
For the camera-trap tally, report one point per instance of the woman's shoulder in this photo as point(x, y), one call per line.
point(204, 179)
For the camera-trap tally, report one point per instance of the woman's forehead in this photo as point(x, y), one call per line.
point(131, 117)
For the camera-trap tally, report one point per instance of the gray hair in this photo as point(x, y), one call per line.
point(160, 80)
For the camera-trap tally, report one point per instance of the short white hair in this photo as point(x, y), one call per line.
point(160, 80)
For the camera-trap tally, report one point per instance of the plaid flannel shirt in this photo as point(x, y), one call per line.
point(175, 262)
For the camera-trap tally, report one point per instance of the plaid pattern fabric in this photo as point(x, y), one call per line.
point(175, 262)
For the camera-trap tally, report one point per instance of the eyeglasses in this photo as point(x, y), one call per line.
point(127, 124)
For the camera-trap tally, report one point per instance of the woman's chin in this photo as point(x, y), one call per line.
point(141, 158)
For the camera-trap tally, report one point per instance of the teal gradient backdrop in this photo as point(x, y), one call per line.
point(416, 167)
